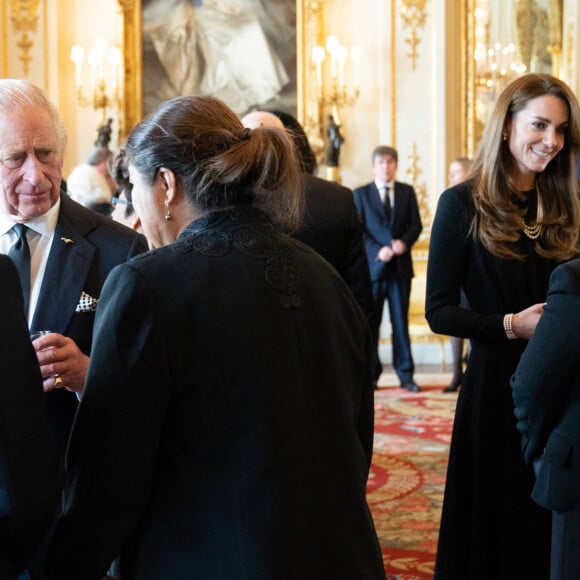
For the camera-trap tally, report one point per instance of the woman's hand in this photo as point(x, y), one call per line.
point(524, 323)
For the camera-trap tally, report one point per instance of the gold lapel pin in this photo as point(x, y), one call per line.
point(67, 240)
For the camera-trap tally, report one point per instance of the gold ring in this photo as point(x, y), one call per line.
point(58, 382)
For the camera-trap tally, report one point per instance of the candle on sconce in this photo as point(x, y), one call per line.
point(77, 56)
point(318, 59)
point(115, 62)
point(341, 60)
point(92, 62)
point(101, 57)
point(355, 55)
point(331, 47)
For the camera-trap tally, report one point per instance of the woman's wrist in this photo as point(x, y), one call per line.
point(508, 326)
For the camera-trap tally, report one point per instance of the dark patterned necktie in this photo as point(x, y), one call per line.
point(20, 255)
point(387, 204)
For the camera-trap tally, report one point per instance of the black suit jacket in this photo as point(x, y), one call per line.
point(86, 247)
point(229, 388)
point(31, 472)
point(332, 227)
point(546, 392)
point(406, 226)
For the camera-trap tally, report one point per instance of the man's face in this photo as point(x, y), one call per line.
point(30, 163)
point(385, 168)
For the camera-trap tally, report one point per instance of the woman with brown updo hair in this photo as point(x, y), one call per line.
point(229, 390)
point(496, 238)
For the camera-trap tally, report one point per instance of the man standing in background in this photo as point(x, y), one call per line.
point(391, 222)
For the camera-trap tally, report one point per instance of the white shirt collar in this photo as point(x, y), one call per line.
point(381, 185)
point(43, 225)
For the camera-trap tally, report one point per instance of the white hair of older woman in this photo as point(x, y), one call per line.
point(88, 186)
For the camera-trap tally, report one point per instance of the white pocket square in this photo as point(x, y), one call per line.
point(86, 303)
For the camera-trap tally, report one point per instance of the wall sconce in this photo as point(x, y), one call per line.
point(332, 88)
point(104, 67)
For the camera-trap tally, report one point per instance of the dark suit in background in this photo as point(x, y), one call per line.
point(546, 392)
point(31, 472)
point(391, 280)
point(85, 248)
point(331, 226)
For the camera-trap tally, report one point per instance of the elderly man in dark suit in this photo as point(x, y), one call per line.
point(546, 392)
point(31, 471)
point(331, 225)
point(391, 223)
point(63, 251)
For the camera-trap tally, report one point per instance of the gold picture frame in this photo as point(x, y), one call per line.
point(308, 14)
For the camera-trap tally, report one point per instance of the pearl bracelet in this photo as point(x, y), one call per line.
point(507, 326)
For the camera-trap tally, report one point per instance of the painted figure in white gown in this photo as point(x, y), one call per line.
point(215, 47)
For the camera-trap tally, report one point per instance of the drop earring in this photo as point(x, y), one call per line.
point(168, 216)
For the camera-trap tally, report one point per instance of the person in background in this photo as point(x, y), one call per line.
point(391, 225)
point(330, 224)
point(101, 158)
point(497, 237)
point(87, 186)
point(31, 470)
point(64, 251)
point(123, 210)
point(458, 173)
point(228, 363)
point(546, 393)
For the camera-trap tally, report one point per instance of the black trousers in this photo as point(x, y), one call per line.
point(396, 292)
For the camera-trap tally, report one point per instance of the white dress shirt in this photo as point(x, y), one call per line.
point(381, 187)
point(39, 236)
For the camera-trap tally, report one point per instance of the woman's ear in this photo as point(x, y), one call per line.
point(168, 182)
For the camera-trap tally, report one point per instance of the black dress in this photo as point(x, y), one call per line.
point(490, 528)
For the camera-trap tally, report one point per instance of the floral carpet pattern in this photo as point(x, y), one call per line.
point(407, 479)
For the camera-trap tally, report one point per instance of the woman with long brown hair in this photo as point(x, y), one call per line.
point(497, 237)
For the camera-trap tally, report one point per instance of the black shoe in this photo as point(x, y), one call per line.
point(453, 385)
point(411, 386)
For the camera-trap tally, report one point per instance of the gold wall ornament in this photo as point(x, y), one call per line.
point(413, 15)
point(413, 172)
point(25, 20)
point(102, 68)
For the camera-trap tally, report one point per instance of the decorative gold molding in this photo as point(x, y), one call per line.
point(131, 105)
point(25, 20)
point(413, 172)
point(413, 15)
point(309, 33)
point(308, 26)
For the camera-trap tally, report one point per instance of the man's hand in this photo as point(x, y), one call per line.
point(385, 254)
point(62, 363)
point(399, 247)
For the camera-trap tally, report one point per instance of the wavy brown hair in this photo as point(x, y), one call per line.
point(497, 222)
point(219, 162)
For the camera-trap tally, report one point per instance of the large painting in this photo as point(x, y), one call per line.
point(250, 53)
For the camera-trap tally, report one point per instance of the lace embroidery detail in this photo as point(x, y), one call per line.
point(281, 275)
point(248, 231)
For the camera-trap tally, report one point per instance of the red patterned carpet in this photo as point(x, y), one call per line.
point(405, 489)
